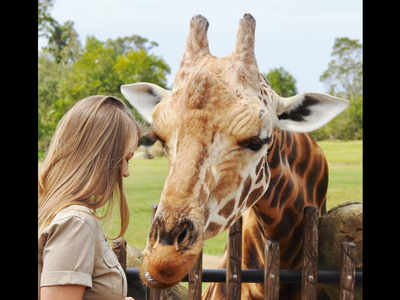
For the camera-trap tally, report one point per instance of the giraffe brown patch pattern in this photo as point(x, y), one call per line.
point(279, 212)
point(213, 227)
point(322, 188)
point(254, 196)
point(229, 222)
point(299, 202)
point(225, 184)
point(286, 225)
point(304, 160)
point(260, 177)
point(209, 178)
point(259, 165)
point(251, 250)
point(286, 192)
point(264, 217)
point(245, 191)
point(276, 190)
point(293, 250)
point(226, 211)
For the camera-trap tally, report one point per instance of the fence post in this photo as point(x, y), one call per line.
point(347, 271)
point(234, 266)
point(310, 254)
point(195, 279)
point(271, 270)
point(155, 293)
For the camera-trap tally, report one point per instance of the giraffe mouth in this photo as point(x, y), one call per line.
point(166, 275)
point(163, 266)
point(151, 282)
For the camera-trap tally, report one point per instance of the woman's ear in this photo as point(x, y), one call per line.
point(144, 97)
point(309, 111)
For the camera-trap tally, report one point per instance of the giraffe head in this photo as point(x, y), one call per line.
point(215, 126)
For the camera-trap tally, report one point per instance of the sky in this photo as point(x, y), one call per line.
point(297, 35)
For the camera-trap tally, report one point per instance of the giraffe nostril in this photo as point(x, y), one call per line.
point(188, 234)
point(154, 233)
point(182, 236)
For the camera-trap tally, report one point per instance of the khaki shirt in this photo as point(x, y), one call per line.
point(73, 249)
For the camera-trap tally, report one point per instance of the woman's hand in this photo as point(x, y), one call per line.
point(129, 298)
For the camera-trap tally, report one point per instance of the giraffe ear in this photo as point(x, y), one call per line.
point(144, 97)
point(309, 111)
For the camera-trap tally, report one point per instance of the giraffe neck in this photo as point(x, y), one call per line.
point(298, 179)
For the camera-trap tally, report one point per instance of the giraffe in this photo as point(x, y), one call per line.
point(299, 178)
point(235, 148)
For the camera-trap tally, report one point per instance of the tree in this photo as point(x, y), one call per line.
point(282, 82)
point(45, 20)
point(125, 44)
point(68, 73)
point(50, 75)
point(63, 43)
point(104, 66)
point(138, 65)
point(100, 69)
point(344, 74)
point(343, 78)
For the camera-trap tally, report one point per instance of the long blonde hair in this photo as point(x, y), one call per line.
point(83, 162)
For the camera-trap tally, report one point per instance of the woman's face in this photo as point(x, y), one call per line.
point(127, 156)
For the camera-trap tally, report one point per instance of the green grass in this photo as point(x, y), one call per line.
point(345, 171)
point(143, 189)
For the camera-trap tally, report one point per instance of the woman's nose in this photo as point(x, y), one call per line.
point(125, 170)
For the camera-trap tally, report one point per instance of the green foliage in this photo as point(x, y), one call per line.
point(68, 73)
point(104, 66)
point(92, 74)
point(123, 45)
point(63, 43)
point(346, 126)
point(131, 66)
point(344, 74)
point(282, 82)
point(45, 20)
point(343, 78)
point(50, 76)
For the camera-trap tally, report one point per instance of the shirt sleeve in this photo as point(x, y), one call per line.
point(69, 253)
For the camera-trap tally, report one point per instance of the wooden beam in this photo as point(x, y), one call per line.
point(347, 271)
point(271, 270)
point(234, 266)
point(195, 279)
point(310, 254)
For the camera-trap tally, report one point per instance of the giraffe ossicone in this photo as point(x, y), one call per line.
point(226, 134)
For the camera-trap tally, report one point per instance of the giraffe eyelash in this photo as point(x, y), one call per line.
point(254, 143)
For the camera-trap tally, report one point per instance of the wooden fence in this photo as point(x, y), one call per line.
point(346, 278)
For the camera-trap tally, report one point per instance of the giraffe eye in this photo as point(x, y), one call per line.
point(254, 143)
point(149, 139)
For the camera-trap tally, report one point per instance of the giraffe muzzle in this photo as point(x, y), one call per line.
point(171, 252)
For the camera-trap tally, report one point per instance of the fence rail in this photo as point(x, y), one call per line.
point(256, 275)
point(346, 278)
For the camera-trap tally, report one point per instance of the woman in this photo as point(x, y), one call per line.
point(83, 171)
